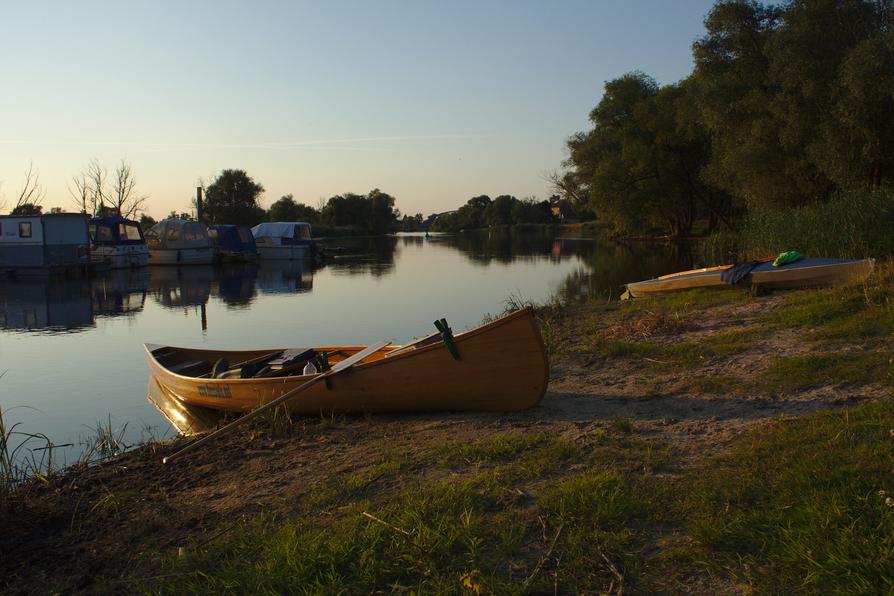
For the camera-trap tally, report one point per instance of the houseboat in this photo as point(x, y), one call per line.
point(44, 244)
point(233, 244)
point(118, 242)
point(179, 242)
point(285, 240)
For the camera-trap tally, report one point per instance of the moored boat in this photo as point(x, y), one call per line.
point(179, 242)
point(118, 242)
point(502, 366)
point(233, 243)
point(285, 240)
point(803, 273)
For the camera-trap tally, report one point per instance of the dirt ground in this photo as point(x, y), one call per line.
point(109, 519)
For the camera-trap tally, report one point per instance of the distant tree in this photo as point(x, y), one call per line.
point(233, 198)
point(531, 211)
point(499, 211)
point(56, 210)
point(27, 209)
point(287, 209)
point(373, 213)
point(183, 216)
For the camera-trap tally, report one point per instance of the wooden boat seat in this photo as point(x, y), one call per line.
point(191, 368)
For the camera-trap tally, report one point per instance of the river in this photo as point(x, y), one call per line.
point(71, 351)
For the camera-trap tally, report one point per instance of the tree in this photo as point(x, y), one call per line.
point(287, 209)
point(373, 213)
point(125, 200)
point(31, 194)
point(146, 221)
point(27, 209)
point(89, 189)
point(499, 211)
point(233, 198)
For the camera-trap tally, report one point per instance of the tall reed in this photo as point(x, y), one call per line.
point(854, 224)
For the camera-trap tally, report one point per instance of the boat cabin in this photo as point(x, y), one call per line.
point(41, 244)
point(118, 241)
point(233, 243)
point(179, 242)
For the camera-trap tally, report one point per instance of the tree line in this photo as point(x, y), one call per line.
point(481, 212)
point(786, 106)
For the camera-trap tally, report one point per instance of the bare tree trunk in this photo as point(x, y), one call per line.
point(32, 193)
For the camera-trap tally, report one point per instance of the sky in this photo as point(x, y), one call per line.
point(431, 102)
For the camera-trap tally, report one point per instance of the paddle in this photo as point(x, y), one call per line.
point(337, 368)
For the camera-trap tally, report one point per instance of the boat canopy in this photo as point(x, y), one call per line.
point(284, 230)
point(177, 234)
point(105, 231)
point(233, 238)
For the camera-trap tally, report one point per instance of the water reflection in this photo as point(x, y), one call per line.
point(285, 277)
point(62, 305)
point(121, 292)
point(236, 285)
point(373, 255)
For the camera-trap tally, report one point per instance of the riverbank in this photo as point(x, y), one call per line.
point(710, 442)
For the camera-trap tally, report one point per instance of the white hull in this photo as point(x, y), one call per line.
point(284, 252)
point(183, 256)
point(122, 257)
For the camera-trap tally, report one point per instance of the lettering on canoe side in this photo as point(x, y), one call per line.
point(219, 391)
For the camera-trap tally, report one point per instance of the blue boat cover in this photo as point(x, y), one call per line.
point(234, 238)
point(105, 231)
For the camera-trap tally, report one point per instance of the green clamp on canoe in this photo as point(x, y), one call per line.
point(323, 359)
point(448, 338)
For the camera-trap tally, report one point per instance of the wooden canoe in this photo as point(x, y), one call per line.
point(805, 273)
point(502, 367)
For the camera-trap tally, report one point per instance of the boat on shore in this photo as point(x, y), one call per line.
point(501, 366)
point(118, 242)
point(179, 242)
point(803, 273)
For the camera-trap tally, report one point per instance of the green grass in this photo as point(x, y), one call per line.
point(685, 354)
point(797, 506)
point(791, 373)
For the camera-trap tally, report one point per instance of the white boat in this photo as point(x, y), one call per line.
point(179, 242)
point(44, 244)
point(118, 242)
point(284, 240)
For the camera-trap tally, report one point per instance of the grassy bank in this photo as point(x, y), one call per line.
point(707, 442)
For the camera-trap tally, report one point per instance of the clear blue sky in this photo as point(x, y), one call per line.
point(433, 102)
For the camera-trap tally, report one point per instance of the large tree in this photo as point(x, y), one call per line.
point(233, 198)
point(373, 213)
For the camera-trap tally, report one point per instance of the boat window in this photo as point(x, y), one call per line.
point(103, 234)
point(199, 234)
point(212, 234)
point(132, 232)
point(304, 232)
point(173, 234)
point(91, 231)
point(24, 229)
point(245, 235)
point(189, 235)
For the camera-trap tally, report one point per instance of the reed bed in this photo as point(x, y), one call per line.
point(855, 224)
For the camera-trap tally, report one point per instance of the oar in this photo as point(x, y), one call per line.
point(337, 368)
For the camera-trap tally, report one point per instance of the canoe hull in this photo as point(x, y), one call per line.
point(502, 367)
point(806, 274)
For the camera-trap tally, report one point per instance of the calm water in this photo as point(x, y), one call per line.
point(72, 349)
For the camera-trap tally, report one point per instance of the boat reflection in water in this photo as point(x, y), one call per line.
point(285, 277)
point(187, 419)
point(176, 287)
point(62, 305)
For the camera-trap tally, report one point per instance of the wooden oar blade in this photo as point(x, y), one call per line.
point(351, 361)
